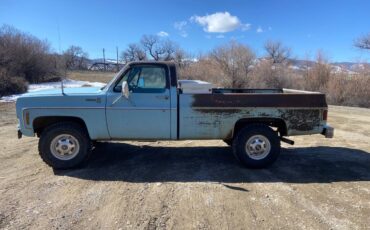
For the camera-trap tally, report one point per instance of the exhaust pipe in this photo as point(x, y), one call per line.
point(286, 140)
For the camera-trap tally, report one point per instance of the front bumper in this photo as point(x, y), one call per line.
point(328, 131)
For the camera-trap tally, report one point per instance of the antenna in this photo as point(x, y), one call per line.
point(60, 53)
point(62, 81)
point(117, 59)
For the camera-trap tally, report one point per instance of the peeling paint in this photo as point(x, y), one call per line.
point(301, 120)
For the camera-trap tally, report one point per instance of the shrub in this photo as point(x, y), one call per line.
point(266, 74)
point(25, 58)
point(350, 90)
point(11, 84)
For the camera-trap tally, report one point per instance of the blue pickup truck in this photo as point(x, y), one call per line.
point(145, 102)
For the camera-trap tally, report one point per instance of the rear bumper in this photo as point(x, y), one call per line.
point(328, 131)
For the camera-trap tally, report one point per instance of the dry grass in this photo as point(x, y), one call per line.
point(93, 76)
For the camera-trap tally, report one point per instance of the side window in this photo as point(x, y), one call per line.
point(150, 77)
point(144, 79)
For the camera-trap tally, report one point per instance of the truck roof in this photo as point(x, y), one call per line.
point(169, 63)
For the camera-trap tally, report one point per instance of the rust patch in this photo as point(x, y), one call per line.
point(302, 120)
point(219, 111)
point(259, 100)
point(264, 114)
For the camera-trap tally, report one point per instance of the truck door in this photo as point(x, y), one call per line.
point(146, 114)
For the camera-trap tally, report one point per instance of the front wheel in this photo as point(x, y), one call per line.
point(256, 146)
point(64, 145)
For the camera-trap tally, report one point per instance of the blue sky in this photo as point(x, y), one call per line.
point(198, 25)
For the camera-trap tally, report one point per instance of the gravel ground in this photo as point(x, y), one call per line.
point(316, 184)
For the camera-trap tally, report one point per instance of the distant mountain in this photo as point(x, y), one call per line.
point(108, 60)
point(337, 67)
point(296, 64)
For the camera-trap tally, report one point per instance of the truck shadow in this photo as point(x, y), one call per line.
point(146, 164)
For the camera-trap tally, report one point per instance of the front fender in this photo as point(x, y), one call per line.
point(94, 119)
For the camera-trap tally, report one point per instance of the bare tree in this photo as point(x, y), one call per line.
point(75, 58)
point(235, 60)
point(159, 50)
point(26, 58)
point(205, 69)
point(317, 77)
point(168, 48)
point(277, 53)
point(181, 58)
point(363, 42)
point(133, 53)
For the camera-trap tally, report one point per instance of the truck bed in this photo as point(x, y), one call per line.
point(214, 115)
point(259, 98)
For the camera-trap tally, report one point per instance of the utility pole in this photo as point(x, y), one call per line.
point(104, 59)
point(117, 59)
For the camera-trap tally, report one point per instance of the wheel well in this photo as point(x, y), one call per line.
point(272, 122)
point(40, 123)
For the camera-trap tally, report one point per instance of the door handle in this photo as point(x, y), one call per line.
point(163, 97)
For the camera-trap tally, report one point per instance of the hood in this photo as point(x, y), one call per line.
point(67, 91)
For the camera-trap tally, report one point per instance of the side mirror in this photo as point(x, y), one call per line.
point(125, 91)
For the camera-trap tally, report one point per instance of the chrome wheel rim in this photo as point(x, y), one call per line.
point(64, 147)
point(257, 147)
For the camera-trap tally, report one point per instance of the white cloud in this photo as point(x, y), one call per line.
point(245, 27)
point(180, 26)
point(162, 34)
point(220, 36)
point(220, 22)
point(259, 30)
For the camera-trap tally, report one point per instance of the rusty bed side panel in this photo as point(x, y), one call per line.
point(259, 100)
point(216, 118)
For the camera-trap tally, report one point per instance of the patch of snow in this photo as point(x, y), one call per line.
point(68, 83)
point(294, 67)
point(10, 98)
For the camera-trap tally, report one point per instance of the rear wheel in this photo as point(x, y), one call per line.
point(256, 146)
point(64, 145)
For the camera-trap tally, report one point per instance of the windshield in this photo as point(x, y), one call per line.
point(113, 79)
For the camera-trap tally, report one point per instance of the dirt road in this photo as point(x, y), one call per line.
point(317, 184)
